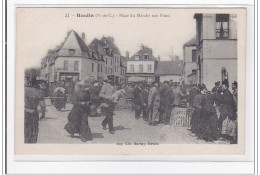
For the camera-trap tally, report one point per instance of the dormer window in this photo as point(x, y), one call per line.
point(137, 57)
point(146, 57)
point(71, 52)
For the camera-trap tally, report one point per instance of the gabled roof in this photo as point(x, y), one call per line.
point(191, 42)
point(74, 41)
point(100, 47)
point(109, 41)
point(82, 45)
point(169, 68)
point(96, 54)
point(142, 53)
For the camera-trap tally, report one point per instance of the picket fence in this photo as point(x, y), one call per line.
point(180, 117)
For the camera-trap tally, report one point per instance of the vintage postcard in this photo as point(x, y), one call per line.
point(130, 81)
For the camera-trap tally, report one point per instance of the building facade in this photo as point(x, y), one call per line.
point(169, 71)
point(142, 64)
point(190, 65)
point(73, 59)
point(216, 40)
point(110, 59)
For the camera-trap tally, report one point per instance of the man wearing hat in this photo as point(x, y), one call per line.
point(106, 93)
point(216, 87)
point(227, 106)
point(32, 98)
point(227, 112)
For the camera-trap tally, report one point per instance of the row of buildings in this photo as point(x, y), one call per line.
point(212, 54)
point(73, 59)
point(208, 57)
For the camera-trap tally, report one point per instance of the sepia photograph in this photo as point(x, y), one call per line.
point(131, 78)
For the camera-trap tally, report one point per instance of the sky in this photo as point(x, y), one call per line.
point(163, 30)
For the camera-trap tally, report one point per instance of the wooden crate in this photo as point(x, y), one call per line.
point(179, 117)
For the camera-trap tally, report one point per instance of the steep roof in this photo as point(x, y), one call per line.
point(96, 54)
point(100, 47)
point(142, 53)
point(74, 41)
point(191, 42)
point(109, 41)
point(82, 44)
point(169, 68)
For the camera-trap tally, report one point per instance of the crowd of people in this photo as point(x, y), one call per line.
point(213, 113)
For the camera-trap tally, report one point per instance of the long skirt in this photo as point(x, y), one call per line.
point(85, 131)
point(211, 127)
point(78, 122)
point(195, 120)
point(74, 120)
point(201, 125)
point(31, 127)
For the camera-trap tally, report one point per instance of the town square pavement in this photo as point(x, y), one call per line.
point(127, 129)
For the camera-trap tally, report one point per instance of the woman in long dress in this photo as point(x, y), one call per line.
point(209, 115)
point(78, 116)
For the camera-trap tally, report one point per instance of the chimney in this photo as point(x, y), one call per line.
point(151, 50)
point(127, 54)
point(83, 37)
point(159, 59)
point(142, 47)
